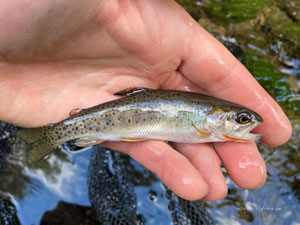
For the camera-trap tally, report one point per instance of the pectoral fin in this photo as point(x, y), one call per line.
point(86, 142)
point(202, 132)
point(131, 91)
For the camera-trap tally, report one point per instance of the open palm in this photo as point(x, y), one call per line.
point(61, 55)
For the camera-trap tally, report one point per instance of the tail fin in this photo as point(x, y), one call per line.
point(40, 144)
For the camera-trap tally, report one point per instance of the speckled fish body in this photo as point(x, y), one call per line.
point(147, 114)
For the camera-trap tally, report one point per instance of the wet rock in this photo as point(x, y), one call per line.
point(281, 26)
point(71, 214)
point(212, 27)
point(293, 9)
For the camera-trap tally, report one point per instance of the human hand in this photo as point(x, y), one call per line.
point(60, 55)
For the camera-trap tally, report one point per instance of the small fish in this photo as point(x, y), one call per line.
point(145, 114)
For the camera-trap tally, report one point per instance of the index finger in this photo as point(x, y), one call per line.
point(211, 66)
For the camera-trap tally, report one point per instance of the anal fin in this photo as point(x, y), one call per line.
point(131, 91)
point(86, 142)
point(133, 139)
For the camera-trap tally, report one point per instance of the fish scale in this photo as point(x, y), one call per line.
point(147, 114)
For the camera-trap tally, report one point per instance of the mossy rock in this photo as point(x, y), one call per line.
point(293, 9)
point(267, 75)
point(234, 11)
point(280, 25)
point(212, 27)
point(194, 9)
point(272, 80)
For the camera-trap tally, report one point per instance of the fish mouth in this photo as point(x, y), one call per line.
point(253, 137)
point(244, 134)
point(247, 135)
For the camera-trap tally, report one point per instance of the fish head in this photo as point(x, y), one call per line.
point(234, 123)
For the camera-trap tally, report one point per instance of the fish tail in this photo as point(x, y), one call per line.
point(40, 143)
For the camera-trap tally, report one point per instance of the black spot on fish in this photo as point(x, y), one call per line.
point(129, 120)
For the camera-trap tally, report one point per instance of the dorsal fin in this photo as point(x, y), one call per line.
point(132, 91)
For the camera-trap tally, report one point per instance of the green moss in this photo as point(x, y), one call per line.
point(281, 25)
point(292, 32)
point(240, 10)
point(267, 75)
point(235, 11)
point(272, 81)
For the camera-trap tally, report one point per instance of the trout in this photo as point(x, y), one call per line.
point(144, 114)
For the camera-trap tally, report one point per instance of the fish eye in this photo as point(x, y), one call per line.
point(243, 117)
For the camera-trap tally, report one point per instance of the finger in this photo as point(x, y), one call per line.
point(205, 159)
point(172, 167)
point(243, 162)
point(210, 65)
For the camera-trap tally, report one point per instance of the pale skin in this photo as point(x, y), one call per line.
point(58, 55)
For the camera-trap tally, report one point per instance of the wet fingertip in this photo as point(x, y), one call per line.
point(282, 136)
point(244, 164)
point(219, 193)
point(190, 189)
point(253, 174)
point(276, 128)
point(197, 192)
point(254, 181)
